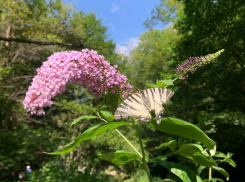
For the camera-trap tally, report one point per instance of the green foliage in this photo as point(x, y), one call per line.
point(107, 115)
point(184, 173)
point(171, 145)
point(164, 83)
point(89, 133)
point(55, 171)
point(183, 129)
point(118, 157)
point(154, 55)
point(83, 117)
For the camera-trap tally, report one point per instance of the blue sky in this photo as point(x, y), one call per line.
point(124, 18)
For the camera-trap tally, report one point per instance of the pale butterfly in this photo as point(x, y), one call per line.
point(139, 104)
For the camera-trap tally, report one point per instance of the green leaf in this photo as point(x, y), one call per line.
point(204, 160)
point(107, 115)
point(150, 85)
point(112, 101)
point(89, 133)
point(214, 180)
point(118, 157)
point(187, 150)
point(183, 129)
point(200, 169)
point(184, 173)
point(163, 83)
point(83, 117)
point(193, 152)
point(171, 145)
point(220, 155)
point(213, 151)
point(103, 108)
point(222, 171)
point(231, 162)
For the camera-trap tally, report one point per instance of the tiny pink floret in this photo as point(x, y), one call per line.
point(85, 68)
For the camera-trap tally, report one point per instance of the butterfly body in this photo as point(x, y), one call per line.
point(140, 104)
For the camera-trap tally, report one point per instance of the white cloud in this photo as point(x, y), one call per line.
point(114, 8)
point(127, 46)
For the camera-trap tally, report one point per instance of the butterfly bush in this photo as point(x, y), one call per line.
point(85, 68)
point(193, 63)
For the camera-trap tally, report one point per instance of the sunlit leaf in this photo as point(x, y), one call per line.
point(89, 133)
point(83, 117)
point(220, 155)
point(150, 85)
point(107, 115)
point(118, 157)
point(163, 83)
point(183, 129)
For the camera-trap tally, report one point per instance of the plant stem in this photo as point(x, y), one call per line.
point(130, 144)
point(210, 175)
point(143, 153)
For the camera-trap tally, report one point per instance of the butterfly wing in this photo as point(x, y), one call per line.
point(134, 107)
point(157, 97)
point(138, 105)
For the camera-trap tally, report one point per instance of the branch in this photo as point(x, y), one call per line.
point(40, 43)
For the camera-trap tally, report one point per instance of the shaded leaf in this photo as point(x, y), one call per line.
point(83, 117)
point(183, 129)
point(214, 180)
point(107, 115)
point(222, 171)
point(184, 173)
point(118, 157)
point(89, 133)
point(112, 101)
point(200, 169)
point(171, 145)
point(193, 152)
point(204, 160)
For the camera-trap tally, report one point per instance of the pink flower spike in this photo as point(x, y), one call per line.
point(85, 68)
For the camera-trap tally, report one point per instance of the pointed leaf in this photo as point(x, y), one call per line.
point(222, 171)
point(214, 180)
point(193, 152)
point(163, 83)
point(183, 129)
point(118, 157)
point(107, 115)
point(112, 101)
point(171, 145)
point(220, 155)
point(184, 173)
point(200, 169)
point(83, 117)
point(213, 151)
point(103, 108)
point(149, 85)
point(89, 133)
point(204, 160)
point(231, 162)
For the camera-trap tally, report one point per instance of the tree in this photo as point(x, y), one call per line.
point(35, 30)
point(206, 27)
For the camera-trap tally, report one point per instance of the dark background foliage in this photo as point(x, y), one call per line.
point(213, 97)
